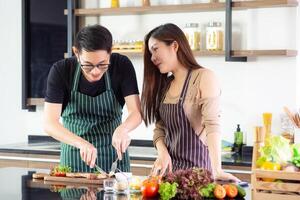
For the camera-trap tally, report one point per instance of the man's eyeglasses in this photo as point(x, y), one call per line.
point(89, 67)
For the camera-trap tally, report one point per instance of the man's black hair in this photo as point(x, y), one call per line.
point(93, 38)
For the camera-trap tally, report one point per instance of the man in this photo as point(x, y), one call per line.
point(89, 91)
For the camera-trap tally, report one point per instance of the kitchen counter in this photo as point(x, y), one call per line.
point(16, 184)
point(138, 150)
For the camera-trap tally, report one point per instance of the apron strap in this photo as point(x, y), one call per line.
point(76, 77)
point(107, 81)
point(185, 87)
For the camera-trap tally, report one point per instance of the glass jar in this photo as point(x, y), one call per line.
point(214, 36)
point(193, 35)
point(287, 128)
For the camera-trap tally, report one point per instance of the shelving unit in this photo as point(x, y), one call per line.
point(182, 8)
point(248, 53)
point(234, 55)
point(198, 7)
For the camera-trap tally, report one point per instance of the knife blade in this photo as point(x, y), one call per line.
point(114, 167)
point(99, 169)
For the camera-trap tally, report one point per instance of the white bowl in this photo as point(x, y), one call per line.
point(123, 176)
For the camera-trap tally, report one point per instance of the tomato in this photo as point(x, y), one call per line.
point(60, 174)
point(270, 166)
point(150, 187)
point(231, 190)
point(219, 192)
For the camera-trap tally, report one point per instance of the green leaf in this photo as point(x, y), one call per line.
point(167, 190)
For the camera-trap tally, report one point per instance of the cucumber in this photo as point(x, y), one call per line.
point(241, 191)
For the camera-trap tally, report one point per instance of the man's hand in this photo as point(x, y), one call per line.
point(121, 140)
point(88, 153)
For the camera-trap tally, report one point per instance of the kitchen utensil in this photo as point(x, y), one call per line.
point(114, 166)
point(99, 169)
point(297, 119)
point(290, 115)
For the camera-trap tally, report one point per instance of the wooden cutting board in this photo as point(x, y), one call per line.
point(73, 180)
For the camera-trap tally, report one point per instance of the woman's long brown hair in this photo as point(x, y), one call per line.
point(154, 82)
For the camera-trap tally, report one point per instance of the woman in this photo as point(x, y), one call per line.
point(89, 91)
point(184, 105)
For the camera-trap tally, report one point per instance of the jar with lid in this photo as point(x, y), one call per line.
point(214, 36)
point(193, 35)
point(287, 128)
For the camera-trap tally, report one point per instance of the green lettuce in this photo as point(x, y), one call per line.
point(277, 149)
point(167, 190)
point(296, 155)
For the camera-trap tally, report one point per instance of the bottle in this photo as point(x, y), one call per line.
point(115, 4)
point(146, 2)
point(192, 33)
point(267, 120)
point(214, 36)
point(238, 139)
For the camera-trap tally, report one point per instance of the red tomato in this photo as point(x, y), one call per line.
point(150, 187)
point(60, 174)
point(231, 190)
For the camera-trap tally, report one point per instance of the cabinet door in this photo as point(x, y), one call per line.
point(241, 172)
point(141, 167)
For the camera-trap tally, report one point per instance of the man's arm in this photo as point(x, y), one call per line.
point(54, 128)
point(121, 139)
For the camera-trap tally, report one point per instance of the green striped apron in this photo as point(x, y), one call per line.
point(94, 119)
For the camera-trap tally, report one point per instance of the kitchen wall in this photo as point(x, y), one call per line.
point(248, 89)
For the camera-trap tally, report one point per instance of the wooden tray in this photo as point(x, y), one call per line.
point(289, 189)
point(73, 180)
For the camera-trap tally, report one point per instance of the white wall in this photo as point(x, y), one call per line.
point(249, 89)
point(12, 118)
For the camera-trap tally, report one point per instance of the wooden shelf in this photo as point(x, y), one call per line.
point(199, 7)
point(35, 101)
point(248, 53)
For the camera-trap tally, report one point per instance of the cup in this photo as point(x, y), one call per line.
point(109, 196)
point(109, 184)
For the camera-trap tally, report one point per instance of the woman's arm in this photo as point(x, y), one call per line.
point(210, 91)
point(163, 162)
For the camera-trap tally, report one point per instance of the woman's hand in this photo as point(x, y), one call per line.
point(121, 140)
point(223, 176)
point(88, 153)
point(162, 164)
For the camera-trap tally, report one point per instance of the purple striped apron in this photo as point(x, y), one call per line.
point(184, 146)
